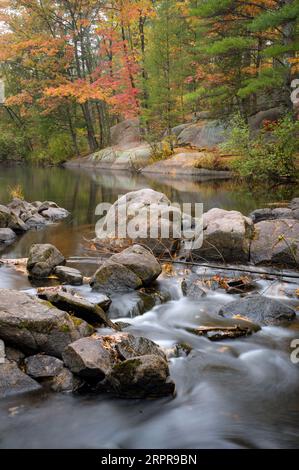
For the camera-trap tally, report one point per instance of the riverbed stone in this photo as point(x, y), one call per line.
point(7, 236)
point(69, 275)
point(141, 377)
point(64, 381)
point(260, 310)
point(276, 242)
point(114, 277)
point(132, 346)
point(70, 301)
point(42, 366)
point(8, 219)
point(141, 261)
point(34, 325)
point(14, 355)
point(89, 358)
point(226, 236)
point(43, 259)
point(191, 288)
point(13, 381)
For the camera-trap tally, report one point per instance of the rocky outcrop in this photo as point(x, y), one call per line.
point(131, 269)
point(260, 310)
point(204, 134)
point(127, 132)
point(226, 236)
point(276, 242)
point(43, 259)
point(13, 381)
point(33, 325)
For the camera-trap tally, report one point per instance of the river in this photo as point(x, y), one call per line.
point(241, 393)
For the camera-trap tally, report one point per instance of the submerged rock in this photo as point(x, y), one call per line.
point(276, 242)
point(260, 310)
point(191, 288)
point(34, 325)
point(70, 301)
point(13, 381)
point(69, 275)
point(141, 377)
point(43, 259)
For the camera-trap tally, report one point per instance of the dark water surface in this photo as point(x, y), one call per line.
point(234, 394)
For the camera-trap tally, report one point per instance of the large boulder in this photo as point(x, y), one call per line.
point(141, 261)
point(260, 310)
point(138, 217)
point(131, 346)
point(89, 358)
point(273, 114)
point(226, 236)
point(113, 277)
point(140, 377)
point(276, 242)
point(126, 133)
point(34, 325)
point(13, 381)
point(205, 134)
point(43, 259)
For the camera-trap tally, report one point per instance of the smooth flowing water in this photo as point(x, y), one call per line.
point(233, 394)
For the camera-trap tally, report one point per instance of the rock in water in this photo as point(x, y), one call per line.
point(89, 358)
point(191, 288)
point(141, 377)
point(141, 261)
point(114, 277)
point(70, 301)
point(43, 259)
point(34, 325)
point(68, 275)
point(42, 366)
point(132, 346)
point(276, 242)
point(260, 310)
point(13, 381)
point(226, 237)
point(7, 236)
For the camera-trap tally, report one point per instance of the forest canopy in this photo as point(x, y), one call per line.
point(73, 68)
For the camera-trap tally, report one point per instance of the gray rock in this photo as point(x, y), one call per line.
point(294, 204)
point(33, 325)
point(271, 214)
point(202, 135)
point(69, 275)
point(276, 242)
point(8, 219)
point(260, 310)
point(13, 381)
point(272, 114)
point(132, 346)
point(126, 132)
point(141, 377)
point(141, 261)
point(7, 236)
point(35, 221)
point(64, 381)
point(43, 206)
point(70, 301)
point(226, 236)
point(43, 259)
point(191, 288)
point(54, 214)
point(14, 355)
point(89, 358)
point(114, 277)
point(42, 366)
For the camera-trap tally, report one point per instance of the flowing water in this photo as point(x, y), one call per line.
point(233, 394)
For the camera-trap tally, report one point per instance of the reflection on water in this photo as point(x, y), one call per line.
point(80, 191)
point(234, 394)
